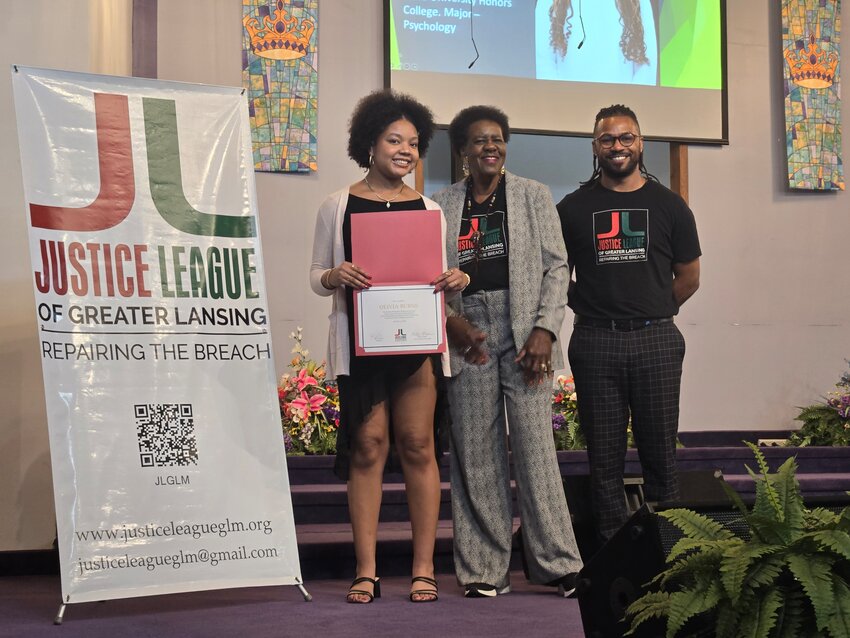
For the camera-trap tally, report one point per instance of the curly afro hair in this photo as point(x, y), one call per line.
point(375, 112)
point(459, 127)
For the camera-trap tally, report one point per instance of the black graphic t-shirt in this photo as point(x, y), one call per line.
point(622, 247)
point(482, 245)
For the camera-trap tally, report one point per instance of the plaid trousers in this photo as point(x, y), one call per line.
point(618, 375)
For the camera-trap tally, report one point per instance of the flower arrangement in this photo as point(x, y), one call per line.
point(828, 422)
point(309, 405)
point(565, 427)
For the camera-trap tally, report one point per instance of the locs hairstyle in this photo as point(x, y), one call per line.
point(375, 112)
point(459, 126)
point(615, 110)
point(631, 40)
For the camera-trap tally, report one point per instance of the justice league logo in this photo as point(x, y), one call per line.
point(621, 236)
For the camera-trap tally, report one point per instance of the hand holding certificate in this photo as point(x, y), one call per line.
point(399, 313)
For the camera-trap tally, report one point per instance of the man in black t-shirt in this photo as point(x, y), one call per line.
point(634, 251)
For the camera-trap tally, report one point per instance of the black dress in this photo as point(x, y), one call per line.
point(372, 379)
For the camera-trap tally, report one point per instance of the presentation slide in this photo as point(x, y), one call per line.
point(548, 63)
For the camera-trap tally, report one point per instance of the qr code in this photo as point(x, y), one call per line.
point(166, 433)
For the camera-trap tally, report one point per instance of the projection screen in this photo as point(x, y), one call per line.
point(552, 64)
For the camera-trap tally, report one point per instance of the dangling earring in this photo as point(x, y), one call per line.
point(502, 171)
point(465, 166)
point(371, 158)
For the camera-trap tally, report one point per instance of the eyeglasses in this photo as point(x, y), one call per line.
point(625, 139)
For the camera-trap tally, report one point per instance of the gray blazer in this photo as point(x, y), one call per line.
point(537, 259)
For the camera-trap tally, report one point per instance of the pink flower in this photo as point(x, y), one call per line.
point(304, 405)
point(303, 380)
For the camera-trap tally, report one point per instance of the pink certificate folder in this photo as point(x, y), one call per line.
point(398, 248)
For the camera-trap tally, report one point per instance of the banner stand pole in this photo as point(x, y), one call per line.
point(307, 596)
point(60, 615)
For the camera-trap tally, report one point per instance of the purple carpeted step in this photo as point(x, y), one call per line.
point(319, 469)
point(815, 486)
point(326, 503)
point(307, 470)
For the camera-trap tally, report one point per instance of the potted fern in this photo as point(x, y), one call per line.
point(790, 578)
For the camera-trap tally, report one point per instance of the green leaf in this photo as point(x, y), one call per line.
point(839, 621)
point(696, 526)
point(821, 517)
point(687, 603)
point(647, 607)
point(815, 575)
point(735, 566)
point(791, 615)
point(709, 548)
point(762, 462)
point(769, 530)
point(766, 506)
point(788, 493)
point(690, 565)
point(761, 618)
point(844, 520)
point(727, 622)
point(765, 572)
point(836, 540)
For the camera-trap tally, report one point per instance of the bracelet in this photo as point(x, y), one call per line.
point(325, 280)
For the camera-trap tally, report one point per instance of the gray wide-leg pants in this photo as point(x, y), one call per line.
point(480, 475)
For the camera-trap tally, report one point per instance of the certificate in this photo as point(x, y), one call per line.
point(399, 320)
point(399, 313)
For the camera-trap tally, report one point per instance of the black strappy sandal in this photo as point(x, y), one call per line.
point(432, 592)
point(375, 593)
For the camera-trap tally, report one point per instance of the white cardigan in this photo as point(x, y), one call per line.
point(328, 252)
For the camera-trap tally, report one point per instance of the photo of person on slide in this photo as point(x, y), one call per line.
point(613, 41)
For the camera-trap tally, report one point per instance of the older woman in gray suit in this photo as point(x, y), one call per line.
point(502, 230)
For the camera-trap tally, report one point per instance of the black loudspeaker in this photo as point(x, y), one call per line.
point(615, 574)
point(614, 578)
point(700, 490)
point(577, 491)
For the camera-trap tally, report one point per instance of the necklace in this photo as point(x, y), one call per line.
point(469, 195)
point(381, 197)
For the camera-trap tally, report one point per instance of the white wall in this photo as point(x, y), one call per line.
point(768, 330)
point(62, 40)
point(770, 327)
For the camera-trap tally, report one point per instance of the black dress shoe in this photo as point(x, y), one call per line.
point(479, 590)
point(566, 584)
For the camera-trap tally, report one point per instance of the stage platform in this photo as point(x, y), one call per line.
point(324, 533)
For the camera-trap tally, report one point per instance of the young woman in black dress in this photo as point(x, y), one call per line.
point(383, 399)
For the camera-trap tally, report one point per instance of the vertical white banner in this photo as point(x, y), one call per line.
point(168, 465)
